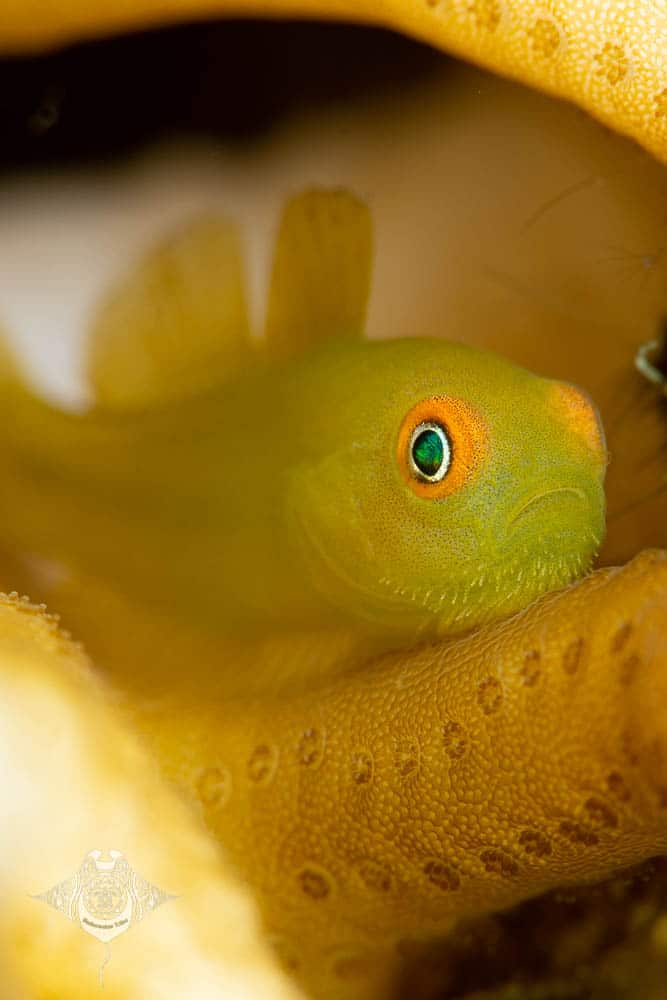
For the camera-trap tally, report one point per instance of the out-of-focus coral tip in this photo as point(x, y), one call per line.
point(581, 416)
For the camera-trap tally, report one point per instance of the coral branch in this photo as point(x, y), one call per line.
point(448, 782)
point(74, 780)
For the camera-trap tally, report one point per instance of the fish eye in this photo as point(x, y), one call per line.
point(430, 452)
point(441, 443)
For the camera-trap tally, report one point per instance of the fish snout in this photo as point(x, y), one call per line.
point(575, 409)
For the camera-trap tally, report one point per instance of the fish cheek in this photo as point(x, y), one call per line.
point(374, 553)
point(443, 544)
point(326, 524)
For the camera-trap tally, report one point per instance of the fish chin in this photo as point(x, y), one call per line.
point(511, 583)
point(354, 592)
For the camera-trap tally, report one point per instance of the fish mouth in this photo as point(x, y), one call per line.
point(538, 499)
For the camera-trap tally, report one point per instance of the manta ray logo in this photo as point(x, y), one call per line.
point(105, 897)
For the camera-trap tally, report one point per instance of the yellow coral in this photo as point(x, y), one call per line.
point(75, 778)
point(443, 784)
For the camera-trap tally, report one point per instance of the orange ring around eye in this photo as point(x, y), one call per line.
point(467, 432)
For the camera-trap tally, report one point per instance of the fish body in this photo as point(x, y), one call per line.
point(286, 495)
point(396, 489)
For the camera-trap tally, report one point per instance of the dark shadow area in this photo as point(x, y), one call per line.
point(232, 80)
point(581, 944)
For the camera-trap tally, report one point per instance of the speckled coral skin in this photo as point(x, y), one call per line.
point(442, 784)
point(606, 56)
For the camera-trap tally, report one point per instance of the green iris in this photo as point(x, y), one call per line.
point(428, 452)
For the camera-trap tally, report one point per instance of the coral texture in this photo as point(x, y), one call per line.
point(443, 784)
